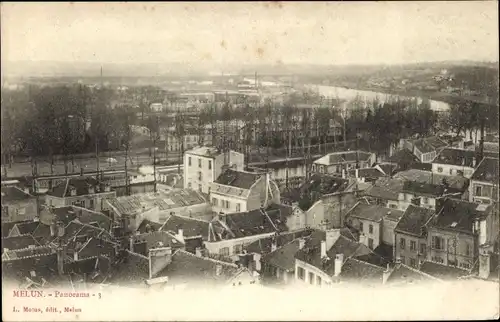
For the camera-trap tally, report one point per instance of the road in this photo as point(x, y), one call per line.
point(89, 164)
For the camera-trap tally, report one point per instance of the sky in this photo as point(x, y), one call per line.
point(250, 33)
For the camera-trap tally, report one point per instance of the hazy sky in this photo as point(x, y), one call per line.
point(323, 33)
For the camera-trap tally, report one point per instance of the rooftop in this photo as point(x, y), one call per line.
point(264, 245)
point(238, 179)
point(205, 151)
point(458, 157)
point(164, 200)
point(18, 242)
point(69, 213)
point(193, 227)
point(454, 182)
point(371, 212)
point(12, 194)
point(284, 256)
point(371, 173)
point(487, 171)
point(458, 215)
point(441, 271)
point(408, 275)
point(157, 239)
point(148, 226)
point(344, 157)
point(429, 144)
point(425, 189)
point(385, 188)
point(403, 156)
point(414, 220)
point(133, 270)
point(355, 270)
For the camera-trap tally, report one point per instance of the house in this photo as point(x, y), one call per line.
point(367, 174)
point(85, 192)
point(240, 191)
point(402, 275)
point(403, 160)
point(483, 185)
point(368, 220)
point(341, 162)
point(159, 206)
point(411, 243)
point(423, 194)
point(142, 243)
point(286, 173)
point(203, 165)
point(457, 231)
point(18, 204)
point(320, 261)
point(18, 242)
point(244, 228)
point(455, 162)
point(489, 264)
point(425, 149)
point(385, 192)
point(457, 183)
point(279, 264)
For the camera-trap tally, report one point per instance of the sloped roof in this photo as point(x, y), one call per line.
point(371, 173)
point(97, 247)
point(454, 182)
point(355, 270)
point(132, 271)
point(414, 220)
point(284, 256)
point(441, 271)
point(15, 254)
point(162, 199)
point(189, 268)
point(148, 225)
point(191, 227)
point(456, 157)
point(7, 226)
point(27, 227)
point(370, 212)
point(13, 194)
point(385, 188)
point(263, 245)
point(407, 275)
point(403, 156)
point(487, 171)
point(425, 189)
point(458, 215)
point(343, 157)
point(238, 179)
point(158, 238)
point(18, 242)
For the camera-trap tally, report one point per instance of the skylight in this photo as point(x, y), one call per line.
point(453, 224)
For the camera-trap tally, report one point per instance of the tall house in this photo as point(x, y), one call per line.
point(203, 165)
point(483, 187)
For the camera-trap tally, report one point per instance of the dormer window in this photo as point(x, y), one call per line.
point(72, 191)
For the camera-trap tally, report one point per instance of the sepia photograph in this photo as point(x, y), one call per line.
point(265, 161)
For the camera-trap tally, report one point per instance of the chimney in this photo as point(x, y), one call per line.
point(339, 261)
point(60, 229)
point(53, 230)
point(180, 235)
point(26, 189)
point(81, 171)
point(159, 258)
point(362, 238)
point(484, 262)
point(302, 243)
point(356, 173)
point(198, 252)
point(386, 274)
point(75, 255)
point(72, 191)
point(131, 243)
point(332, 235)
point(60, 260)
point(323, 249)
point(218, 269)
point(256, 258)
point(343, 173)
point(274, 244)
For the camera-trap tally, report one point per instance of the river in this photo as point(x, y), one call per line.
point(350, 94)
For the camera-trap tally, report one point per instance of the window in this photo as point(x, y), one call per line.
point(311, 278)
point(422, 249)
point(467, 250)
point(403, 260)
point(413, 262)
point(370, 243)
point(189, 161)
point(437, 242)
point(209, 188)
point(228, 204)
point(209, 164)
point(214, 201)
point(237, 249)
point(199, 163)
point(318, 280)
point(361, 226)
point(370, 229)
point(301, 273)
point(465, 265)
point(238, 207)
point(451, 172)
point(407, 197)
point(200, 176)
point(425, 200)
point(479, 191)
point(440, 169)
point(189, 185)
point(392, 206)
point(224, 251)
point(402, 243)
point(200, 187)
point(413, 245)
point(91, 206)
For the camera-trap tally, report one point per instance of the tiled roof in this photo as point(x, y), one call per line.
point(44, 266)
point(148, 225)
point(189, 268)
point(97, 247)
point(95, 268)
point(414, 220)
point(458, 215)
point(487, 171)
point(385, 188)
point(81, 184)
point(456, 157)
point(15, 254)
point(403, 156)
point(7, 226)
point(205, 151)
point(394, 215)
point(18, 242)
point(163, 200)
point(70, 213)
point(454, 182)
point(424, 189)
point(281, 164)
point(441, 271)
point(370, 212)
point(263, 245)
point(343, 157)
point(132, 271)
point(355, 270)
point(284, 256)
point(42, 234)
point(12, 194)
point(407, 275)
point(238, 179)
point(191, 227)
point(387, 168)
point(429, 144)
point(27, 227)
